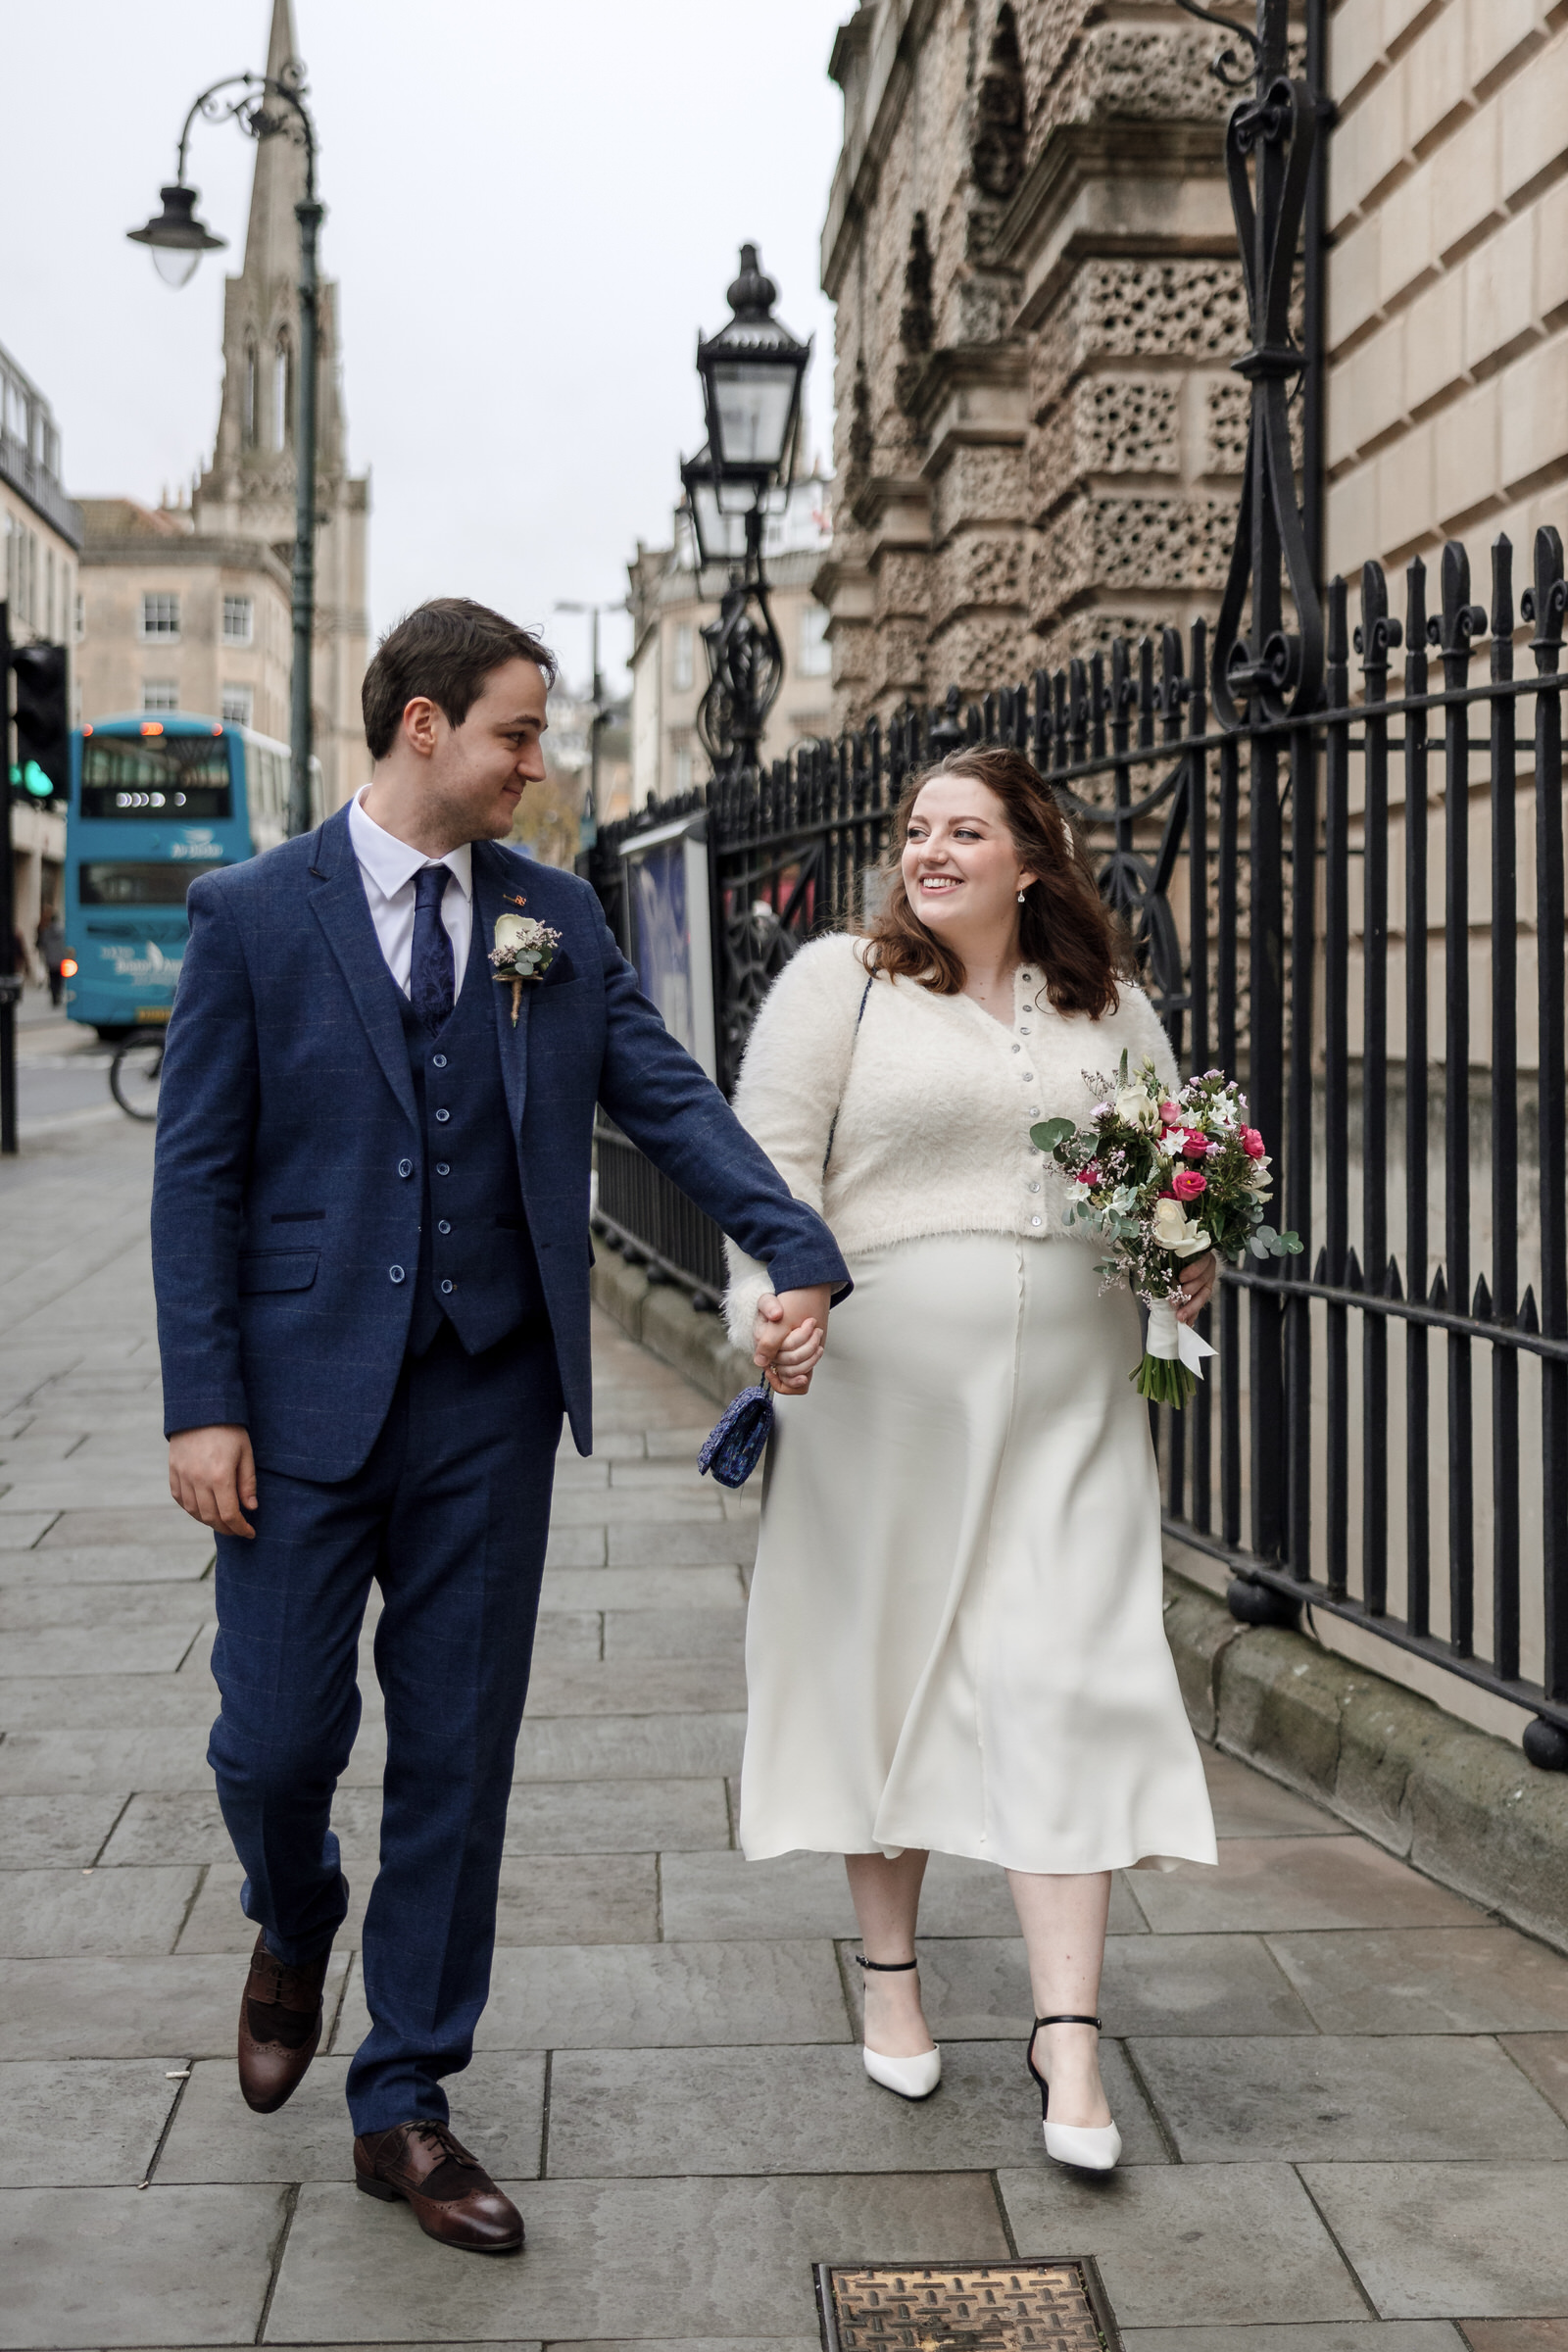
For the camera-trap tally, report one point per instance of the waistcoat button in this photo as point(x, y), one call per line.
point(405, 1168)
point(441, 1168)
point(447, 1287)
point(441, 1117)
point(396, 1274)
point(438, 1061)
point(444, 1227)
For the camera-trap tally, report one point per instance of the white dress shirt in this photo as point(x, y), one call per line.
point(388, 867)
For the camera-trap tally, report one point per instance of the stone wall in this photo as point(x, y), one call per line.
point(1449, 281)
point(1031, 249)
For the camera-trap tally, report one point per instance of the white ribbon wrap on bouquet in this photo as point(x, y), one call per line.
point(1169, 1339)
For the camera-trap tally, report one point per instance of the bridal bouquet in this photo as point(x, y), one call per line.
point(1164, 1177)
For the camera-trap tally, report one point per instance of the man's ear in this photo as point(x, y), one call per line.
point(419, 718)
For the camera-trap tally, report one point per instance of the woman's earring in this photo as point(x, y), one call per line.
point(1020, 897)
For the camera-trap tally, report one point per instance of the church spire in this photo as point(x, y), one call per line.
point(271, 236)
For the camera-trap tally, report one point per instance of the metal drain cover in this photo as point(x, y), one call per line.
point(1056, 2305)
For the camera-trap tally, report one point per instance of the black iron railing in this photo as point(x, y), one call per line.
point(1364, 984)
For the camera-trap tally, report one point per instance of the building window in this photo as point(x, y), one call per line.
point(816, 655)
point(238, 619)
point(249, 413)
point(282, 386)
point(160, 694)
point(680, 753)
point(81, 616)
point(682, 666)
point(237, 704)
point(160, 614)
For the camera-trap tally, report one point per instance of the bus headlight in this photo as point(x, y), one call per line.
point(69, 967)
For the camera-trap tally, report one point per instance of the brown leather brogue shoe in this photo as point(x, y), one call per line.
point(279, 2027)
point(453, 2198)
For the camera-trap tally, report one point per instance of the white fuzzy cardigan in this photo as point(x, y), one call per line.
point(929, 1104)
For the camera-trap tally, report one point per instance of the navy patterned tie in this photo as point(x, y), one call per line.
point(430, 972)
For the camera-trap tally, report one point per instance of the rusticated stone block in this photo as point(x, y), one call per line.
point(898, 659)
point(1139, 308)
point(1107, 543)
point(980, 652)
point(1107, 425)
point(978, 567)
point(982, 483)
point(1227, 413)
point(902, 585)
point(1088, 631)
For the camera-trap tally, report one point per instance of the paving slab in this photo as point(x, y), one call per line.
point(575, 1547)
point(1352, 2099)
point(108, 1611)
point(89, 1702)
point(102, 2267)
point(107, 1564)
point(1485, 2241)
point(181, 1824)
point(644, 1589)
point(20, 1531)
point(545, 1899)
point(723, 1895)
point(88, 2123)
point(1513, 2335)
point(169, 1757)
point(637, 1686)
point(1426, 1981)
point(1197, 2246)
point(498, 2104)
point(682, 1442)
point(1350, 2336)
point(1268, 1885)
point(675, 1632)
point(606, 1508)
point(161, 1523)
point(682, 1544)
point(807, 2110)
point(79, 1649)
point(677, 2261)
point(128, 2008)
point(1247, 1806)
point(613, 1747)
point(1545, 2059)
point(61, 1833)
point(83, 1912)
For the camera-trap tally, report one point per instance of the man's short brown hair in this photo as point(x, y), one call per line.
point(444, 650)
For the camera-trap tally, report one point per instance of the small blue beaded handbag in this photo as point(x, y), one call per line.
point(738, 1438)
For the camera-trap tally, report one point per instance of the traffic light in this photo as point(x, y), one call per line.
point(42, 768)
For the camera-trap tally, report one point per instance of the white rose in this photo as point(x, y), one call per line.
point(510, 930)
point(1170, 1223)
point(1136, 1108)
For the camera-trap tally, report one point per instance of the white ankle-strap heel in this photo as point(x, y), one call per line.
point(910, 2079)
point(1091, 2147)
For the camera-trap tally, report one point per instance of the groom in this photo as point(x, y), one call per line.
point(371, 1252)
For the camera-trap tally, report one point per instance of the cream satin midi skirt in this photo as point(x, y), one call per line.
point(955, 1637)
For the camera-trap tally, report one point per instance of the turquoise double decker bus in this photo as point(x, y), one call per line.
point(154, 802)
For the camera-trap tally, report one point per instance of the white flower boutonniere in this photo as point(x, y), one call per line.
point(523, 950)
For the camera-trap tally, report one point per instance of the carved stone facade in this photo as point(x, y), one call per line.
point(1031, 249)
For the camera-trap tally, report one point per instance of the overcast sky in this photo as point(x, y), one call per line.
point(531, 209)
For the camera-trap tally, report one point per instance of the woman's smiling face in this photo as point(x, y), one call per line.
point(959, 864)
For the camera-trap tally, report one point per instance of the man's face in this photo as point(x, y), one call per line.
point(478, 772)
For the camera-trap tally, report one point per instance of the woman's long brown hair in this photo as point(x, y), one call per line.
point(1064, 924)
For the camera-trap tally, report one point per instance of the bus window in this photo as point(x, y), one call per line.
point(127, 882)
point(155, 777)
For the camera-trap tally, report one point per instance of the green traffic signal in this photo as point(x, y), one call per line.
point(32, 780)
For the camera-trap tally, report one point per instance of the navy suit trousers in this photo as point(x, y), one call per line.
point(449, 1516)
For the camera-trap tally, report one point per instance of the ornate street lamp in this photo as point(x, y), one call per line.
point(177, 239)
point(751, 373)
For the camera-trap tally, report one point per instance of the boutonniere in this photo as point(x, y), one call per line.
point(523, 950)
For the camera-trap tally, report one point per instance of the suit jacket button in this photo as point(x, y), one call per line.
point(405, 1168)
point(444, 1227)
point(441, 1168)
point(396, 1274)
point(446, 1287)
point(441, 1117)
point(438, 1061)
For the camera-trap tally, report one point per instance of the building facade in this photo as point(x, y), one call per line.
point(670, 660)
point(1031, 248)
point(194, 600)
point(43, 536)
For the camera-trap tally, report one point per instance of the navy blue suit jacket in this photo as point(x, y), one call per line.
point(286, 1088)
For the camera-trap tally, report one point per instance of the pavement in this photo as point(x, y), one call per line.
point(1344, 2089)
point(62, 1069)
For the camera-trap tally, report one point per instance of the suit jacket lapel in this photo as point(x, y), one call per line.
point(493, 893)
point(340, 906)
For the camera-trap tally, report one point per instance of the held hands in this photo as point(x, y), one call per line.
point(790, 1334)
point(212, 1475)
point(1198, 1277)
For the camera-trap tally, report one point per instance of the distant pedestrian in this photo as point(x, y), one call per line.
point(956, 1638)
point(50, 939)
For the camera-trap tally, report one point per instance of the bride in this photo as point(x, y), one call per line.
point(955, 1640)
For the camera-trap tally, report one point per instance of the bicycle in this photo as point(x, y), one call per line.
point(135, 1072)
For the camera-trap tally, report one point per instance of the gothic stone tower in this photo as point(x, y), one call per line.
point(248, 490)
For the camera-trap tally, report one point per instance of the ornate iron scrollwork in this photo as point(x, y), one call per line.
point(1268, 155)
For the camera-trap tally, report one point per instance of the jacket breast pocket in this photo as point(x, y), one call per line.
point(276, 1271)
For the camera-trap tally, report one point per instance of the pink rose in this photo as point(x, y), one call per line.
point(1187, 1184)
point(1194, 1145)
point(1171, 1113)
point(1252, 1143)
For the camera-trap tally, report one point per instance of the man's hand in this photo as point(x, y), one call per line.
point(1198, 1277)
point(212, 1474)
point(789, 1337)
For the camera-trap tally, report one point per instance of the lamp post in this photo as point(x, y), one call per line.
point(177, 239)
point(751, 373)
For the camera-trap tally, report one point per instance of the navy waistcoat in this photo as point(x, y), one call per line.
point(476, 1261)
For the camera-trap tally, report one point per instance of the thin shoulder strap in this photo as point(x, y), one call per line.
point(858, 1018)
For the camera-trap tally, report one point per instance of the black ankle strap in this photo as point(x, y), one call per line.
point(890, 1968)
point(1065, 2021)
